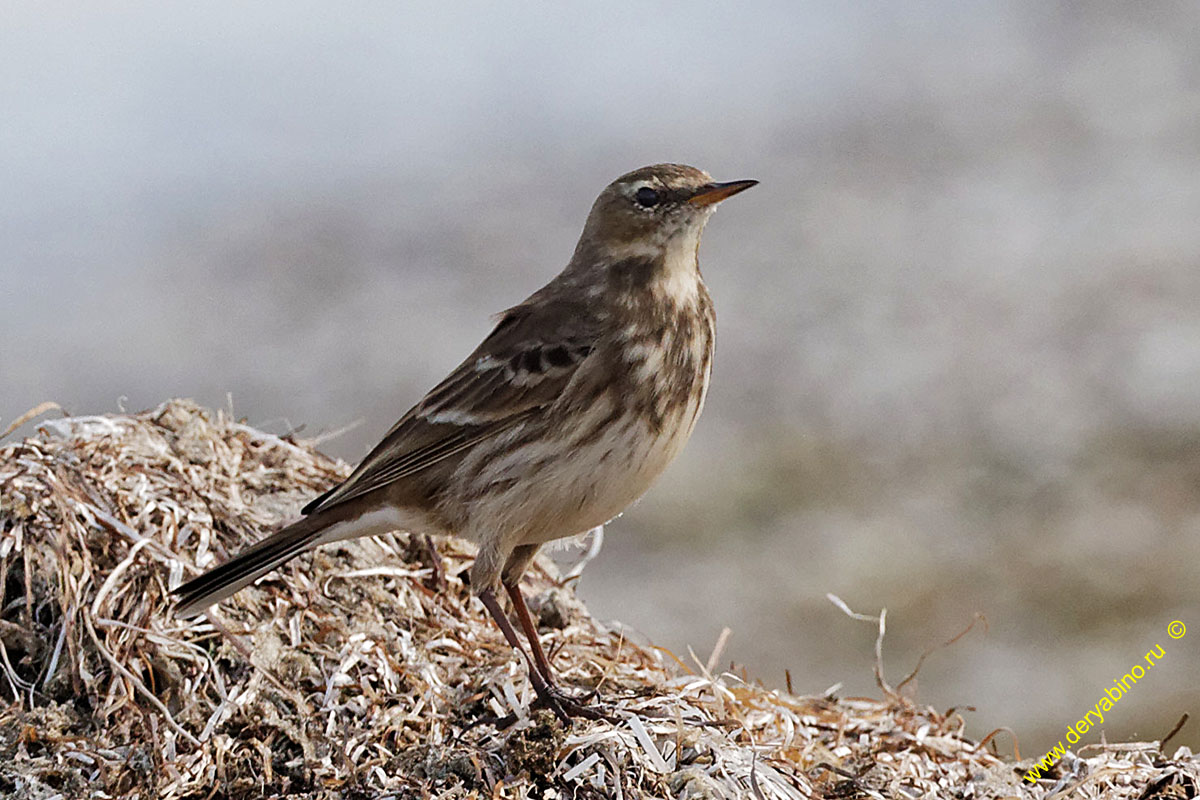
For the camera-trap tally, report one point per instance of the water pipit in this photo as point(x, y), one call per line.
point(565, 414)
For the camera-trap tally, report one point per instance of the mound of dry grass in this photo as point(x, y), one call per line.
point(368, 670)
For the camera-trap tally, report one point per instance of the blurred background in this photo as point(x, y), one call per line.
point(959, 320)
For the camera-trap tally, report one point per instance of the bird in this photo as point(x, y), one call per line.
point(560, 419)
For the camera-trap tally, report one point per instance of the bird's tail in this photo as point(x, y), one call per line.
point(244, 568)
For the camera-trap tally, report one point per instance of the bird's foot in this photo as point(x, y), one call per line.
point(566, 706)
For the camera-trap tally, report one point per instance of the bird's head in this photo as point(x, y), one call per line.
point(647, 212)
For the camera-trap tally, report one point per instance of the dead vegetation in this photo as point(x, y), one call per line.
point(364, 672)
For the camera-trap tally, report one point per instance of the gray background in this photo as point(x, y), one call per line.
point(959, 320)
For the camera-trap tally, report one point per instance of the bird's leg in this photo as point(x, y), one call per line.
point(535, 677)
point(563, 706)
point(438, 576)
point(531, 633)
point(560, 698)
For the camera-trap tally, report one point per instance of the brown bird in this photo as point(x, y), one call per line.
point(564, 415)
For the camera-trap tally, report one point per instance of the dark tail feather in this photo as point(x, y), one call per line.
point(311, 508)
point(247, 566)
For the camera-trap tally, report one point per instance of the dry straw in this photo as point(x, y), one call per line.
point(360, 672)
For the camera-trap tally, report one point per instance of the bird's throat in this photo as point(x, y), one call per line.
point(677, 279)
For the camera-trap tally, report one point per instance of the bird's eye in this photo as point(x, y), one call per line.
point(646, 197)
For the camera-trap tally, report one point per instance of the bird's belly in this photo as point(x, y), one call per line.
point(595, 476)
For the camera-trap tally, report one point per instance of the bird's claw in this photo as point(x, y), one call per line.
point(566, 707)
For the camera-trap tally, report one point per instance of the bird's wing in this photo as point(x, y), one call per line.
point(519, 369)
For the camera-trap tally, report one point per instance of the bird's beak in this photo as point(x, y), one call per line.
point(716, 192)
